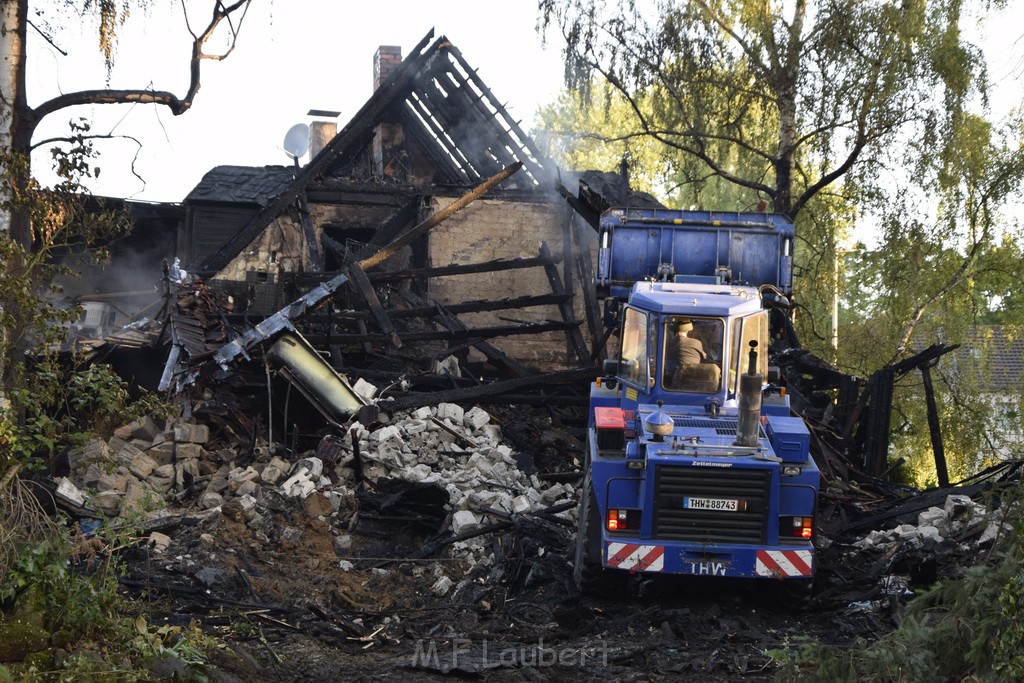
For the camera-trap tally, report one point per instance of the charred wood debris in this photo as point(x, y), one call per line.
point(341, 470)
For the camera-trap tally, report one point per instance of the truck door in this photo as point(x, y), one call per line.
point(635, 359)
point(744, 330)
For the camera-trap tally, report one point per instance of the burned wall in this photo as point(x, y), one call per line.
point(490, 229)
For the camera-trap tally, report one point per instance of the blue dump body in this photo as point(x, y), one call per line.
point(669, 488)
point(756, 248)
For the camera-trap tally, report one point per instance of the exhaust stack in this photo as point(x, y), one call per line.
point(749, 423)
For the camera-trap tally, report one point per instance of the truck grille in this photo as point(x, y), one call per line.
point(673, 522)
point(724, 427)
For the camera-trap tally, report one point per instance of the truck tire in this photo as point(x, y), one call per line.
point(588, 573)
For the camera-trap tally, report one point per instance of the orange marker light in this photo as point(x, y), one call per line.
point(613, 520)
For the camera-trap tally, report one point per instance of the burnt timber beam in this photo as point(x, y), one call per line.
point(495, 356)
point(571, 377)
point(934, 430)
point(426, 311)
point(311, 280)
point(534, 164)
point(479, 332)
point(282, 321)
point(361, 284)
point(573, 336)
point(592, 218)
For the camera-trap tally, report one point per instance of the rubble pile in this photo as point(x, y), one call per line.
point(145, 472)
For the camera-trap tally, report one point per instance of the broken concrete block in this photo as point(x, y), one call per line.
point(417, 473)
point(124, 432)
point(520, 504)
point(291, 534)
point(138, 500)
point(299, 484)
point(187, 472)
point(271, 474)
point(69, 492)
point(464, 520)
point(476, 418)
point(164, 471)
point(94, 451)
point(210, 500)
point(442, 586)
point(246, 488)
point(108, 502)
point(962, 511)
point(364, 389)
point(160, 485)
point(126, 454)
point(246, 503)
point(447, 366)
point(189, 451)
point(162, 453)
point(385, 433)
point(115, 444)
point(345, 565)
point(313, 464)
point(343, 544)
point(449, 411)
point(112, 482)
point(160, 542)
point(92, 475)
point(191, 433)
point(933, 516)
point(146, 428)
point(142, 465)
point(423, 413)
point(929, 535)
point(412, 427)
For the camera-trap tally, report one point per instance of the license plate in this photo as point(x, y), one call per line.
point(726, 504)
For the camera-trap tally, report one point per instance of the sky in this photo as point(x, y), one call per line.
point(297, 55)
point(292, 56)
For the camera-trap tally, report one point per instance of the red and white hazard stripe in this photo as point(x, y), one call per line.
point(780, 563)
point(641, 558)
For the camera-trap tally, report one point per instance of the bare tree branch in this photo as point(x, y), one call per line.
point(177, 105)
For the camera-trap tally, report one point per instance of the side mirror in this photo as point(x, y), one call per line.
point(774, 374)
point(610, 367)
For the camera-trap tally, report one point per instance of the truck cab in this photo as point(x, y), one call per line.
point(694, 463)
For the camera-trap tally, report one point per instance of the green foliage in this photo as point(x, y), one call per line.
point(65, 407)
point(968, 628)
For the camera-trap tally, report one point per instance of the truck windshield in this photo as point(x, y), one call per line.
point(693, 354)
point(634, 365)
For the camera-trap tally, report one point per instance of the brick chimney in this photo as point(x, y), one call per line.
point(385, 61)
point(320, 133)
point(389, 153)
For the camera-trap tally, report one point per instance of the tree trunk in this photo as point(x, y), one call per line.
point(16, 121)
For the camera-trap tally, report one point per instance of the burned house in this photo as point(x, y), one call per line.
point(508, 273)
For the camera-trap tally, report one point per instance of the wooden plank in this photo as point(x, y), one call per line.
point(360, 283)
point(474, 333)
point(572, 333)
point(579, 375)
point(494, 355)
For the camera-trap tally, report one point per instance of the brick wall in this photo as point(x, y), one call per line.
point(492, 229)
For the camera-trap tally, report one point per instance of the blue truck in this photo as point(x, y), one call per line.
point(695, 464)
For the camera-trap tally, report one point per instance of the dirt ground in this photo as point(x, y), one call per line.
point(292, 609)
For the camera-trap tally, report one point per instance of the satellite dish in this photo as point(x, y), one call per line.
point(296, 140)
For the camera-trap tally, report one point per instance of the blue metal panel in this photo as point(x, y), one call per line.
point(755, 247)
